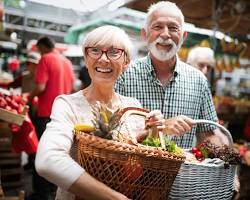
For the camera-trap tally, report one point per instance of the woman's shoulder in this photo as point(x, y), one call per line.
point(71, 98)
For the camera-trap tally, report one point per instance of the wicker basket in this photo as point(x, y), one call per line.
point(137, 171)
point(203, 181)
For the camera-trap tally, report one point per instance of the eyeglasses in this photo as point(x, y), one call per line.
point(112, 53)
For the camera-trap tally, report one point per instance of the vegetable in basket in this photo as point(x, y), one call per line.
point(171, 145)
point(210, 150)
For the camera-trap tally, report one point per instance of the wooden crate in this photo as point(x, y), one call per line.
point(11, 117)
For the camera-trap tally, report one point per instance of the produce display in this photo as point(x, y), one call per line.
point(12, 109)
point(209, 150)
point(12, 103)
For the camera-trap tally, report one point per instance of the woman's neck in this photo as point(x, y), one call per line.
point(102, 94)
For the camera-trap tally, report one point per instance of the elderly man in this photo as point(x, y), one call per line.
point(202, 58)
point(162, 81)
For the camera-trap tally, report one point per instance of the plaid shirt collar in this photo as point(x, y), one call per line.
point(151, 71)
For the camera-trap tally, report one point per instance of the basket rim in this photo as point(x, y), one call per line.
point(142, 150)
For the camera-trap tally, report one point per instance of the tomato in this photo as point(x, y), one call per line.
point(198, 154)
point(8, 108)
point(13, 105)
point(194, 150)
point(17, 98)
point(3, 103)
point(20, 109)
point(8, 100)
point(132, 170)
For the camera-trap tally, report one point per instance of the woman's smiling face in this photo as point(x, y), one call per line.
point(101, 67)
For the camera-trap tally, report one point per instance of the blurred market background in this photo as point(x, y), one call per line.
point(223, 25)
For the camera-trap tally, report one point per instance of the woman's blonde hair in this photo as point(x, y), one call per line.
point(108, 35)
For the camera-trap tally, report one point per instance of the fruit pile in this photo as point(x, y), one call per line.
point(209, 150)
point(12, 103)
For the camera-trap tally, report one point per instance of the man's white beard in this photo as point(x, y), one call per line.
point(164, 55)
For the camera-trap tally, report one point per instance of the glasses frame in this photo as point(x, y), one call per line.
point(87, 48)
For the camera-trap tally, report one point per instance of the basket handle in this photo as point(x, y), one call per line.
point(222, 128)
point(141, 112)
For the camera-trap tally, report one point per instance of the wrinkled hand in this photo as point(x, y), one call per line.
point(155, 120)
point(178, 125)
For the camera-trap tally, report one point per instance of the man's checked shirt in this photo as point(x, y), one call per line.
point(187, 94)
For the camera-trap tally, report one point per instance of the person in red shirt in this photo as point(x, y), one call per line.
point(54, 76)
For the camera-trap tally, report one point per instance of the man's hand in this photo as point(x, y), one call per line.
point(178, 125)
point(155, 122)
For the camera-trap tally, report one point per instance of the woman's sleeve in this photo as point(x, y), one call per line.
point(53, 160)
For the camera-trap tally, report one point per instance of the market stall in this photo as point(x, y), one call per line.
point(17, 135)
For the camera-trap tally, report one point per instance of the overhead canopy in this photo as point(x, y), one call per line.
point(232, 16)
point(76, 34)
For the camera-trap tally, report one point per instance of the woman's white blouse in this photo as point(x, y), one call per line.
point(54, 159)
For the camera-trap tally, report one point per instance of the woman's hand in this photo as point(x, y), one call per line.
point(178, 125)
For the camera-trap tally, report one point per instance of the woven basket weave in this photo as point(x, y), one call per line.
point(137, 171)
point(206, 182)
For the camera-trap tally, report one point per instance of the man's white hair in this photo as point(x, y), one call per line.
point(165, 6)
point(196, 52)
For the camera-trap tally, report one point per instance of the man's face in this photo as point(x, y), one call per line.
point(204, 64)
point(164, 35)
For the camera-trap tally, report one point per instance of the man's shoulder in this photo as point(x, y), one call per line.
point(191, 75)
point(188, 69)
point(139, 61)
point(138, 65)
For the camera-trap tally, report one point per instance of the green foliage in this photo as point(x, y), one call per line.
point(170, 144)
point(153, 142)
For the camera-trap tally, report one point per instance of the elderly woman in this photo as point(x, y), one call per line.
point(107, 52)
